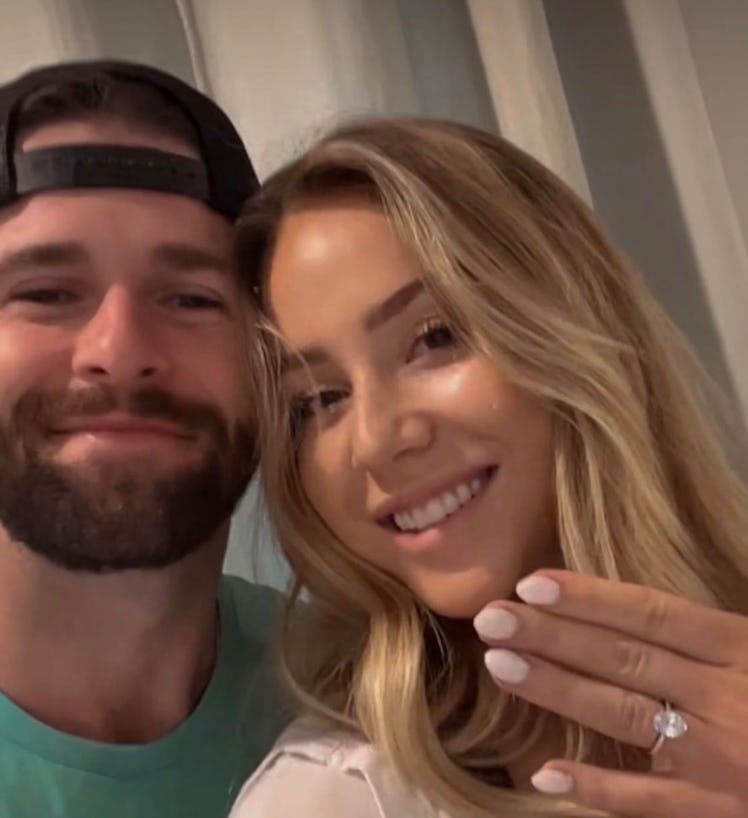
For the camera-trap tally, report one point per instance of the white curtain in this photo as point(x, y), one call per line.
point(525, 84)
point(36, 32)
point(288, 69)
point(700, 166)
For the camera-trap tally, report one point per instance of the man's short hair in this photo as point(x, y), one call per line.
point(100, 95)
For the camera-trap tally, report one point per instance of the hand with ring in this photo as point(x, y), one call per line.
point(645, 667)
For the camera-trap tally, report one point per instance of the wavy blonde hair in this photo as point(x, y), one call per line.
point(643, 490)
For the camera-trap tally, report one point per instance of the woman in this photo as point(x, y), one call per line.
point(479, 432)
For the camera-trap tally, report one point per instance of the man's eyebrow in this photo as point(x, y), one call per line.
point(42, 255)
point(185, 258)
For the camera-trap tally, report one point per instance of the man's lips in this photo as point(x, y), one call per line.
point(120, 427)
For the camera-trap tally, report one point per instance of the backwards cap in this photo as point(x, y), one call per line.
point(223, 178)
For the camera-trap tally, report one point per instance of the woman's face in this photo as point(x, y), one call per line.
point(417, 453)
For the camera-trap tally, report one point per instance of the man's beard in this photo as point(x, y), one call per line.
point(102, 515)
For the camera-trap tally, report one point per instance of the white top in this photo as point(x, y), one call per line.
point(317, 773)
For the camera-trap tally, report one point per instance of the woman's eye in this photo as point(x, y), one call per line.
point(46, 297)
point(435, 335)
point(438, 337)
point(315, 404)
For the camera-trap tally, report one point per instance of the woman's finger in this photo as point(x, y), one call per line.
point(636, 794)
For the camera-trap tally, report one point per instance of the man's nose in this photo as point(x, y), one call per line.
point(117, 346)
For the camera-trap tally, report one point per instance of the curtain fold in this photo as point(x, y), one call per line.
point(37, 32)
point(525, 84)
point(698, 174)
point(33, 32)
point(291, 69)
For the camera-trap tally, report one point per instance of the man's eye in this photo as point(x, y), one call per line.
point(47, 297)
point(194, 301)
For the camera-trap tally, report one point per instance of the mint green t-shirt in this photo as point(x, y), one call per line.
point(195, 771)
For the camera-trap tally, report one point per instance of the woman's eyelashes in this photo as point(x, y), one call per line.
point(316, 403)
point(427, 345)
point(433, 335)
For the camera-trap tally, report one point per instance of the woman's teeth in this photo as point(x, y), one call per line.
point(436, 509)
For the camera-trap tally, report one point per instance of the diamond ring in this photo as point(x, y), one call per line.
point(668, 724)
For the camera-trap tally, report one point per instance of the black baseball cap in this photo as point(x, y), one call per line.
point(223, 178)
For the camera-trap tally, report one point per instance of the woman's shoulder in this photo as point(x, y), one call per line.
point(314, 771)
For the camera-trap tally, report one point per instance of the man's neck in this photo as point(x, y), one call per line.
point(121, 657)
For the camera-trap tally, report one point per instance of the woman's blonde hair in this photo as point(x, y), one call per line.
point(644, 492)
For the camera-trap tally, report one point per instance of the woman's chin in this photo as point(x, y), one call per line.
point(462, 597)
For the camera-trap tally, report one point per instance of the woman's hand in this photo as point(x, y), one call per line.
point(608, 655)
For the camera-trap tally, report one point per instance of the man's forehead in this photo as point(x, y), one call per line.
point(115, 217)
point(114, 228)
point(179, 257)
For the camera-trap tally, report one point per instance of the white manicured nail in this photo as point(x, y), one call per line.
point(506, 666)
point(495, 623)
point(552, 782)
point(538, 590)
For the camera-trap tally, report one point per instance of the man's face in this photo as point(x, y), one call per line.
point(125, 435)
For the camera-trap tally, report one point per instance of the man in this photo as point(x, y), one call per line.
point(133, 680)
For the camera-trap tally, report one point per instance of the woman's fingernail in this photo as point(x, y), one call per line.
point(506, 666)
point(495, 623)
point(552, 782)
point(538, 590)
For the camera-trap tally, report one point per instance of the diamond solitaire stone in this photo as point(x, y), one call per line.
point(669, 723)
